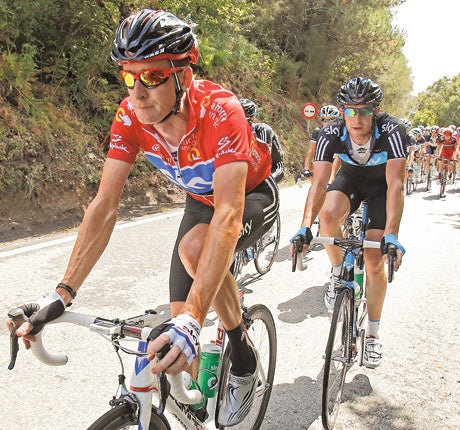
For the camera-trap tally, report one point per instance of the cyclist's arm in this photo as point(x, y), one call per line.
point(309, 155)
point(221, 238)
point(97, 225)
point(277, 159)
point(395, 171)
point(317, 192)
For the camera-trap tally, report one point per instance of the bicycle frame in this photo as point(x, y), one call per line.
point(143, 383)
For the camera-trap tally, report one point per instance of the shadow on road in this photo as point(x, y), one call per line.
point(298, 406)
point(309, 304)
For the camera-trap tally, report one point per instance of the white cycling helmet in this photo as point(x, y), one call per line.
point(329, 111)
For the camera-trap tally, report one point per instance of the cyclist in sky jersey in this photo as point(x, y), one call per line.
point(372, 147)
point(196, 134)
point(327, 114)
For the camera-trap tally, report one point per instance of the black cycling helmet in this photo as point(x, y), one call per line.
point(250, 108)
point(154, 34)
point(359, 91)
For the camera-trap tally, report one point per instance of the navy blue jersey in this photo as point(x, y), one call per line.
point(388, 141)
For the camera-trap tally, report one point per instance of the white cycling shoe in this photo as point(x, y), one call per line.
point(239, 396)
point(373, 354)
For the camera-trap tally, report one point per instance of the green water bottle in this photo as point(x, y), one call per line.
point(208, 372)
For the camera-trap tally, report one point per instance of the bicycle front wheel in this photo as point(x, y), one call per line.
point(336, 360)
point(261, 333)
point(442, 187)
point(267, 246)
point(122, 416)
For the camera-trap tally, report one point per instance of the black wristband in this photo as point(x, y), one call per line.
point(69, 289)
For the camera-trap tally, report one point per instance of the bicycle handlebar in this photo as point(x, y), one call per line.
point(344, 243)
point(104, 327)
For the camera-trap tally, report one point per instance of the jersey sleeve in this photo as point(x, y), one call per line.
point(231, 141)
point(396, 138)
point(327, 143)
point(124, 143)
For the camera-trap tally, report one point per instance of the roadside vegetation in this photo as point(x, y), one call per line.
point(59, 90)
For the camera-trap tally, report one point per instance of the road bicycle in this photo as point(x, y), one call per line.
point(347, 334)
point(413, 178)
point(262, 252)
point(432, 173)
point(444, 175)
point(142, 405)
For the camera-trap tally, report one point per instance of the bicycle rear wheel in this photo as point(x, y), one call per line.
point(261, 334)
point(337, 360)
point(267, 246)
point(122, 416)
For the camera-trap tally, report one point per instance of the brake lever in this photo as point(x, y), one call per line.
point(298, 248)
point(164, 385)
point(18, 317)
point(392, 255)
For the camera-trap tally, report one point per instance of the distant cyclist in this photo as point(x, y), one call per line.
point(448, 151)
point(265, 134)
point(327, 114)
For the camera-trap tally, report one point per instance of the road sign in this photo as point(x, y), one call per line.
point(309, 110)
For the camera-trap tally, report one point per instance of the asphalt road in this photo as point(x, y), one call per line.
point(416, 388)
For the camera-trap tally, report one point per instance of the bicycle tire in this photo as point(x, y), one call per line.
point(122, 416)
point(409, 185)
point(337, 358)
point(267, 247)
point(261, 332)
point(428, 180)
point(443, 181)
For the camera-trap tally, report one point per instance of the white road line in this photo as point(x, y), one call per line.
point(71, 238)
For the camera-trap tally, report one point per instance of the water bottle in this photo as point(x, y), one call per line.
point(191, 384)
point(358, 291)
point(208, 372)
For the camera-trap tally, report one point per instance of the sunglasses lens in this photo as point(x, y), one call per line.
point(349, 112)
point(352, 112)
point(128, 79)
point(365, 111)
point(153, 78)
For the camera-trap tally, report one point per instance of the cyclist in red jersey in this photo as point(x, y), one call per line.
point(196, 134)
point(448, 151)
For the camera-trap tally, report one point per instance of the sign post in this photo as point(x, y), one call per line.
point(309, 111)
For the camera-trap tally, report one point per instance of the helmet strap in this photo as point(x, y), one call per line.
point(179, 94)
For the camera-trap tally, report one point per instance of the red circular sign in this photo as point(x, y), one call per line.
point(309, 110)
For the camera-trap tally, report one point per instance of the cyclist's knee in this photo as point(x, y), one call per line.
point(191, 247)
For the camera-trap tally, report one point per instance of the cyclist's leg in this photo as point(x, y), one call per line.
point(341, 200)
point(376, 281)
point(375, 273)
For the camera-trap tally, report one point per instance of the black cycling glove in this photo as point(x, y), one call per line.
point(44, 310)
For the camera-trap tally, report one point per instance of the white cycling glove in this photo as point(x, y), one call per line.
point(183, 331)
